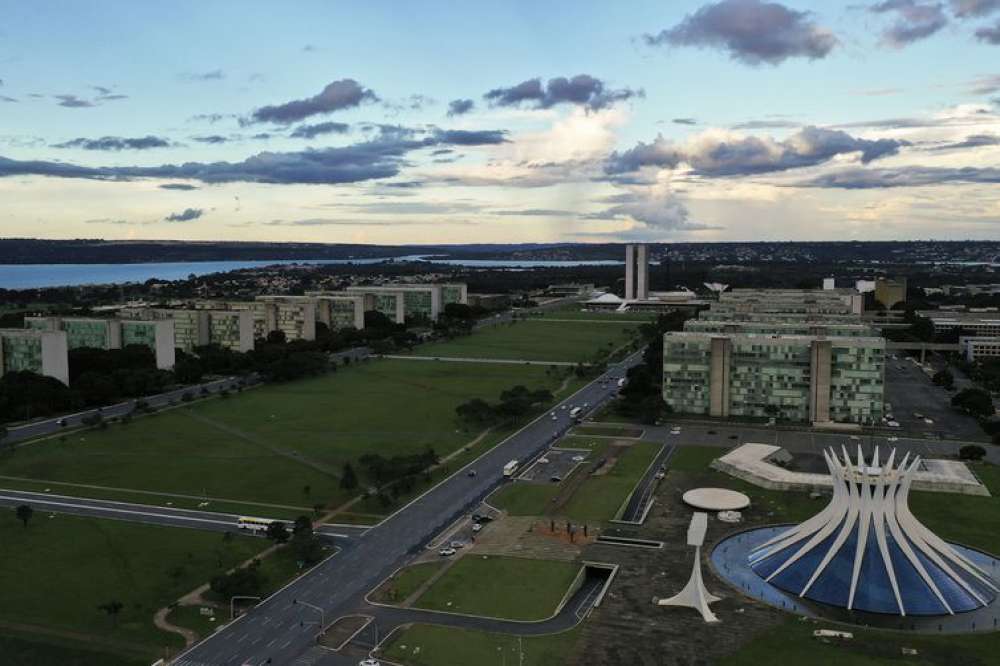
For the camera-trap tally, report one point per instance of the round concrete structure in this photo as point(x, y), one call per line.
point(716, 499)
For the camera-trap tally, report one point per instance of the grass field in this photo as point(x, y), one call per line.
point(275, 443)
point(534, 340)
point(17, 650)
point(511, 588)
point(428, 645)
point(600, 497)
point(405, 582)
point(608, 431)
point(57, 571)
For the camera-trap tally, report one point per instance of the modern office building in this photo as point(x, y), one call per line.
point(977, 348)
point(293, 316)
point(978, 324)
point(339, 310)
point(44, 352)
point(636, 272)
point(791, 354)
point(229, 329)
point(890, 291)
point(96, 333)
point(400, 301)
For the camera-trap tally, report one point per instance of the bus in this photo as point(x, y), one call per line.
point(253, 525)
point(510, 468)
point(576, 413)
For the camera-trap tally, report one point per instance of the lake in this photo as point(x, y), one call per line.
point(33, 276)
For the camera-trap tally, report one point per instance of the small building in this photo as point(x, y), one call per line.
point(890, 291)
point(976, 348)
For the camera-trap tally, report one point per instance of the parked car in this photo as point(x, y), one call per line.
point(446, 552)
point(477, 526)
point(555, 478)
point(471, 472)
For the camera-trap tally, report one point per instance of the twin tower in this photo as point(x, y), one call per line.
point(636, 273)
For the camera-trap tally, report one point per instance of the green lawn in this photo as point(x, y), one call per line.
point(429, 645)
point(405, 582)
point(512, 588)
point(534, 340)
point(191, 618)
point(525, 499)
point(57, 571)
point(600, 497)
point(609, 431)
point(251, 446)
point(967, 519)
point(793, 643)
point(17, 650)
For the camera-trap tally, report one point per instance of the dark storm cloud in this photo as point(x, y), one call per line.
point(990, 35)
point(973, 8)
point(116, 143)
point(582, 90)
point(458, 107)
point(910, 176)
point(312, 131)
point(182, 187)
point(73, 102)
point(751, 155)
point(186, 215)
point(750, 31)
point(383, 156)
point(972, 141)
point(336, 96)
point(914, 20)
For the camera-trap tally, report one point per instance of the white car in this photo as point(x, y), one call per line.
point(893, 438)
point(675, 431)
point(579, 458)
point(446, 552)
point(555, 418)
point(543, 461)
point(477, 526)
point(929, 421)
point(373, 662)
point(893, 424)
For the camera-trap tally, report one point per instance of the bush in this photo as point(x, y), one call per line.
point(971, 452)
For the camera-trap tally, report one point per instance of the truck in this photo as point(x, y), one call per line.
point(575, 413)
point(510, 468)
point(621, 382)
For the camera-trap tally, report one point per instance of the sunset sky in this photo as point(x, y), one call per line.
point(452, 122)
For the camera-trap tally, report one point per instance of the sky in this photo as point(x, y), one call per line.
point(513, 122)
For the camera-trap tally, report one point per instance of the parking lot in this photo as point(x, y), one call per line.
point(914, 400)
point(554, 463)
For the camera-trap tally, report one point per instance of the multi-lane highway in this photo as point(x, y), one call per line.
point(142, 513)
point(284, 627)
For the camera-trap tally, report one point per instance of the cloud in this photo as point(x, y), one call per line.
point(751, 31)
point(766, 124)
point(990, 35)
point(654, 210)
point(582, 90)
point(721, 154)
point(380, 157)
point(11, 100)
point(684, 121)
point(908, 176)
point(186, 215)
point(459, 107)
point(537, 212)
point(183, 187)
point(985, 85)
point(336, 96)
point(411, 103)
point(213, 75)
point(914, 21)
point(312, 131)
point(973, 8)
point(310, 48)
point(73, 102)
point(470, 137)
point(972, 141)
point(116, 143)
point(211, 139)
point(211, 118)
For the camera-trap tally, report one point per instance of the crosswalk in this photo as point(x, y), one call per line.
point(311, 656)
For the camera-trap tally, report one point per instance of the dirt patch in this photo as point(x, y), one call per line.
point(614, 452)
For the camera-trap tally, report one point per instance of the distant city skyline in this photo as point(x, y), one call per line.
point(438, 122)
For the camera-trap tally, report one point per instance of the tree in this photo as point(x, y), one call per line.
point(476, 411)
point(974, 402)
point(112, 609)
point(971, 452)
point(944, 378)
point(302, 526)
point(247, 581)
point(277, 532)
point(24, 513)
point(348, 480)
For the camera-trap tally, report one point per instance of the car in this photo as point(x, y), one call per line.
point(446, 552)
point(552, 414)
point(660, 475)
point(471, 472)
point(543, 461)
point(563, 407)
point(893, 424)
point(579, 458)
point(892, 438)
point(929, 421)
point(555, 478)
point(457, 544)
point(476, 527)
point(918, 415)
point(370, 661)
point(733, 437)
point(712, 432)
point(555, 418)
point(855, 438)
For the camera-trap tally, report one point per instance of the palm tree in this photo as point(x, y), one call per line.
point(24, 513)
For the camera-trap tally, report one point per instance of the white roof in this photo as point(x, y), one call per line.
point(607, 298)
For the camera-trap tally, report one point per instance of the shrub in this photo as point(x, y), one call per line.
point(971, 452)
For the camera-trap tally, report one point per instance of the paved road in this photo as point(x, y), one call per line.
point(279, 629)
point(143, 513)
point(52, 426)
point(635, 512)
